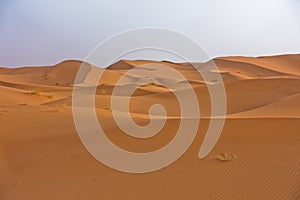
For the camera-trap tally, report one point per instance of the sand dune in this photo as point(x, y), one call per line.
point(257, 156)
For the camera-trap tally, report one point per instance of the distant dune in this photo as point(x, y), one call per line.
point(257, 156)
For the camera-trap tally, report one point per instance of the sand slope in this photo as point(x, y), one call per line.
point(257, 156)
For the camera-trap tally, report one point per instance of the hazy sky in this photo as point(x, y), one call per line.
point(45, 32)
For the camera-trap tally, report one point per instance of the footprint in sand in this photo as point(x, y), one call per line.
point(225, 157)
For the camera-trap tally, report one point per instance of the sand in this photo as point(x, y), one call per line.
point(256, 157)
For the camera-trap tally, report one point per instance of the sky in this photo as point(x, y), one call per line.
point(46, 32)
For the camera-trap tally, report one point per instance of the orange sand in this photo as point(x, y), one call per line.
point(257, 156)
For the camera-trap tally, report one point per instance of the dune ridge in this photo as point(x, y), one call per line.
point(242, 76)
